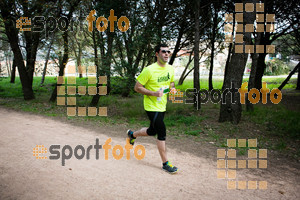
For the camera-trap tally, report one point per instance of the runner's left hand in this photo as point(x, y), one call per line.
point(173, 91)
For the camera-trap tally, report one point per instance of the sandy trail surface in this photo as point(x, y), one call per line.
point(22, 176)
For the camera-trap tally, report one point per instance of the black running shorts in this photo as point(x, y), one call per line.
point(157, 125)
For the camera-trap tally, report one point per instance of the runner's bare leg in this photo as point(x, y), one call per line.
point(141, 132)
point(161, 145)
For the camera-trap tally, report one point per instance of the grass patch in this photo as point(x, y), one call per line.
point(279, 121)
point(194, 132)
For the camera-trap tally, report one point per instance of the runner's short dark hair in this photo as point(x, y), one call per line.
point(157, 48)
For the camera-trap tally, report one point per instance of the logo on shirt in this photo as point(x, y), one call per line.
point(163, 78)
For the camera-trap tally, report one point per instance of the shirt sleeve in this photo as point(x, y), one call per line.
point(144, 76)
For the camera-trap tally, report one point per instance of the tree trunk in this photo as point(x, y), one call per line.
point(110, 38)
point(176, 49)
point(10, 67)
point(251, 82)
point(249, 105)
point(265, 40)
point(12, 35)
point(227, 62)
point(144, 61)
point(182, 77)
point(96, 97)
point(160, 19)
point(298, 80)
point(62, 65)
point(46, 61)
point(80, 50)
point(32, 42)
point(197, 103)
point(231, 108)
point(229, 53)
point(215, 23)
point(79, 67)
point(261, 66)
point(13, 72)
point(7, 65)
point(289, 76)
point(64, 61)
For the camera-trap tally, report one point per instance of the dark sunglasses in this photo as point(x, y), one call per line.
point(164, 51)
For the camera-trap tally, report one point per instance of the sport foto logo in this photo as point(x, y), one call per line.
point(80, 152)
point(90, 18)
point(49, 24)
point(40, 23)
point(216, 96)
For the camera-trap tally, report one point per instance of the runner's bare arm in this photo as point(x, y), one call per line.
point(140, 89)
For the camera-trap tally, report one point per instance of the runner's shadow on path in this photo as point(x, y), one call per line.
point(147, 163)
point(154, 166)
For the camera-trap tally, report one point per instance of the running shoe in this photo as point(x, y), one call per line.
point(170, 168)
point(130, 136)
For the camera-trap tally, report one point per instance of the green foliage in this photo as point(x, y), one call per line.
point(214, 135)
point(119, 85)
point(281, 145)
point(279, 121)
point(180, 120)
point(194, 132)
point(288, 45)
point(184, 61)
point(242, 151)
point(276, 67)
point(248, 66)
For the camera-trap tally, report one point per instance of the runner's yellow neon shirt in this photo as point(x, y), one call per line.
point(153, 78)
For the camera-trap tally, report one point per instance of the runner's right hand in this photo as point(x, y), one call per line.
point(158, 93)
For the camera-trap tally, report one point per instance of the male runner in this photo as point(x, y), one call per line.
point(153, 80)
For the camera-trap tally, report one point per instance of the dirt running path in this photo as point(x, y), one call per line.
point(24, 177)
